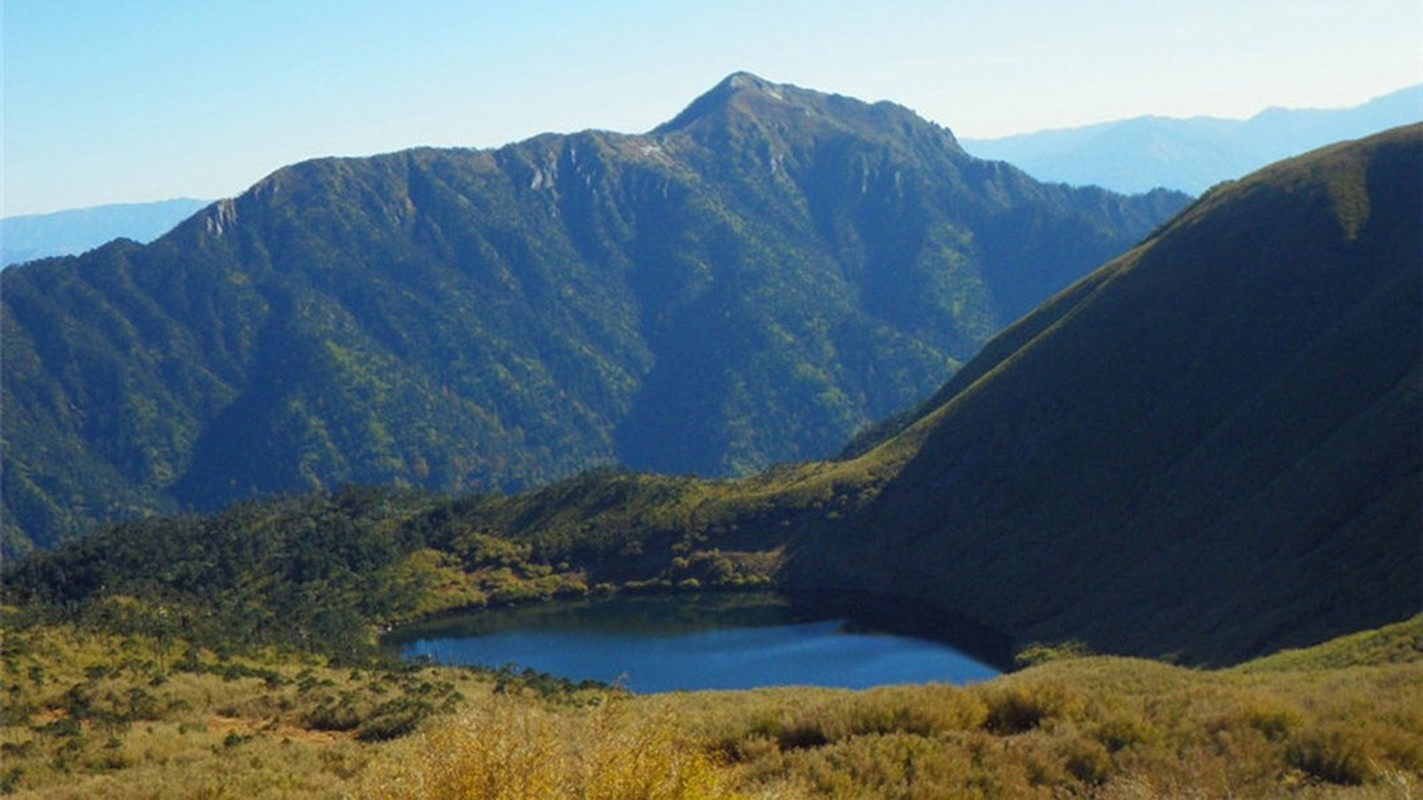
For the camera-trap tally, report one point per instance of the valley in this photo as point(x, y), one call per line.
point(1165, 452)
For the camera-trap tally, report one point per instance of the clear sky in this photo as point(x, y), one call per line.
point(134, 100)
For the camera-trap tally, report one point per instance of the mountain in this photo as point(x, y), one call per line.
point(1211, 446)
point(1209, 449)
point(1193, 154)
point(747, 284)
point(30, 236)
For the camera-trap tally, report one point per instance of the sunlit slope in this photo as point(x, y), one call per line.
point(1209, 447)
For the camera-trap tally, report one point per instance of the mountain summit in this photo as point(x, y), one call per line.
point(747, 284)
point(790, 110)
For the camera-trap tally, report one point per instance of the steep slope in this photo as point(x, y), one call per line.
point(1193, 154)
point(747, 284)
point(1210, 447)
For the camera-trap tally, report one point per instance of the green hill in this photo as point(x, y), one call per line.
point(748, 284)
point(1210, 447)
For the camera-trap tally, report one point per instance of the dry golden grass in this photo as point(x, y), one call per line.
point(511, 750)
point(96, 716)
point(86, 715)
point(1091, 727)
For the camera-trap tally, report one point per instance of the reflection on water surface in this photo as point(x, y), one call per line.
point(664, 643)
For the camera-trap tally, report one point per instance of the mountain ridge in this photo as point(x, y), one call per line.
point(1263, 356)
point(1192, 154)
point(1204, 451)
point(744, 291)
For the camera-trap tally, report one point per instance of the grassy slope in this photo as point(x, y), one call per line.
point(1226, 418)
point(89, 713)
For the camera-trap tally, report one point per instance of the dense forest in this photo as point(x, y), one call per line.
point(748, 284)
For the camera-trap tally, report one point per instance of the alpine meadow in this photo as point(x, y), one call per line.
point(1162, 455)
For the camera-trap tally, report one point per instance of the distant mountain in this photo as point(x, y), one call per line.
point(747, 284)
point(1210, 446)
point(1208, 449)
point(31, 236)
point(1191, 155)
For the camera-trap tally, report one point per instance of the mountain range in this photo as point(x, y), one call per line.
point(1133, 155)
point(1208, 449)
point(26, 237)
point(1191, 155)
point(749, 283)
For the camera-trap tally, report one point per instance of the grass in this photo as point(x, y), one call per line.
point(89, 714)
point(99, 715)
point(509, 750)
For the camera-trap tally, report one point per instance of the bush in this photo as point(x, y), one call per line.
point(516, 751)
point(393, 719)
point(920, 710)
point(1038, 653)
point(1087, 760)
point(1336, 754)
point(1019, 708)
point(333, 717)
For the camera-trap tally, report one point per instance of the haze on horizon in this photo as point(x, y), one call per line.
point(109, 102)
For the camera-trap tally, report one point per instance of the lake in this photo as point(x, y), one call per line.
point(660, 643)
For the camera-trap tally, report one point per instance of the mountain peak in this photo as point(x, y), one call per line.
point(721, 96)
point(743, 94)
point(556, 303)
point(745, 80)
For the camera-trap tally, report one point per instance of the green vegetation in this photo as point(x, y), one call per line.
point(1207, 450)
point(327, 572)
point(316, 573)
point(745, 286)
point(89, 713)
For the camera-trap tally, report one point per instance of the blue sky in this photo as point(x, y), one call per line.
point(125, 100)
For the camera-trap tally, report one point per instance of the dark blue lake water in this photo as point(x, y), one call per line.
point(708, 641)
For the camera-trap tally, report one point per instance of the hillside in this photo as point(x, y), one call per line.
point(748, 284)
point(1208, 448)
point(96, 712)
point(1193, 154)
point(25, 237)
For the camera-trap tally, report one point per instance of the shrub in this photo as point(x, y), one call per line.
point(10, 780)
point(333, 717)
point(517, 751)
point(1087, 760)
point(393, 719)
point(1039, 653)
point(1020, 708)
point(1337, 754)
